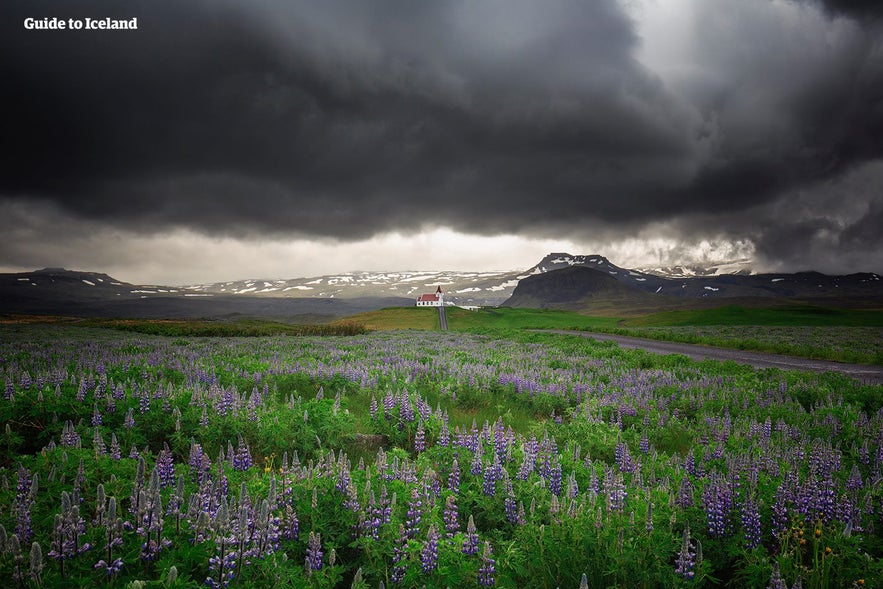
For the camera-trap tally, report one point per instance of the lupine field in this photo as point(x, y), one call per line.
point(411, 459)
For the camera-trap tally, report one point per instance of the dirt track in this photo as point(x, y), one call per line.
point(861, 372)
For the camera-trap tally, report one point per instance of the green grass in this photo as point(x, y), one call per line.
point(506, 318)
point(785, 316)
point(237, 328)
point(392, 318)
point(485, 318)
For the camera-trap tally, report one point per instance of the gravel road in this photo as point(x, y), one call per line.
point(861, 372)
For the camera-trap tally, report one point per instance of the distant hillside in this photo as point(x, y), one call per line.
point(463, 287)
point(578, 286)
point(567, 289)
point(56, 291)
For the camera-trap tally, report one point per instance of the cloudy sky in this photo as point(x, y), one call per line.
point(282, 138)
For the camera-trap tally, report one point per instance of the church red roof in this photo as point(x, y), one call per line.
point(427, 298)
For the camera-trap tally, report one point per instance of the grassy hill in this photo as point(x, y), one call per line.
point(484, 318)
point(803, 315)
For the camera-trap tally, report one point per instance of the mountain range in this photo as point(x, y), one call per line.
point(559, 280)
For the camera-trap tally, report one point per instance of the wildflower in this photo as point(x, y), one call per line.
point(686, 561)
point(470, 544)
point(165, 466)
point(314, 552)
point(414, 515)
point(115, 451)
point(429, 554)
point(751, 523)
point(454, 477)
point(242, 457)
point(776, 580)
point(452, 526)
point(614, 489)
point(487, 569)
point(399, 553)
point(420, 438)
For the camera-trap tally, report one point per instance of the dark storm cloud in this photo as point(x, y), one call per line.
point(350, 118)
point(858, 7)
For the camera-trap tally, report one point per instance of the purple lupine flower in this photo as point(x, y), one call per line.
point(555, 479)
point(371, 518)
point(115, 451)
point(261, 531)
point(854, 482)
point(623, 458)
point(572, 486)
point(222, 564)
point(150, 521)
point(372, 409)
point(96, 416)
point(470, 543)
point(406, 410)
point(684, 497)
point(69, 436)
point(528, 463)
point(780, 511)
point(511, 508)
point(476, 467)
point(399, 554)
point(144, 402)
point(165, 467)
point(717, 498)
point(389, 402)
point(751, 523)
point(384, 506)
point(420, 438)
point(25, 495)
point(692, 466)
point(129, 420)
point(290, 525)
point(492, 474)
point(242, 457)
point(500, 439)
point(414, 515)
point(429, 553)
point(314, 551)
point(454, 477)
point(200, 464)
point(487, 569)
point(686, 561)
point(614, 490)
point(444, 435)
point(67, 532)
point(452, 525)
point(776, 580)
point(113, 538)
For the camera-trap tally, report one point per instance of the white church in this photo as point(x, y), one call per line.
point(436, 299)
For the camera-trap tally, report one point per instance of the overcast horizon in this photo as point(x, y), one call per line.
point(225, 140)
